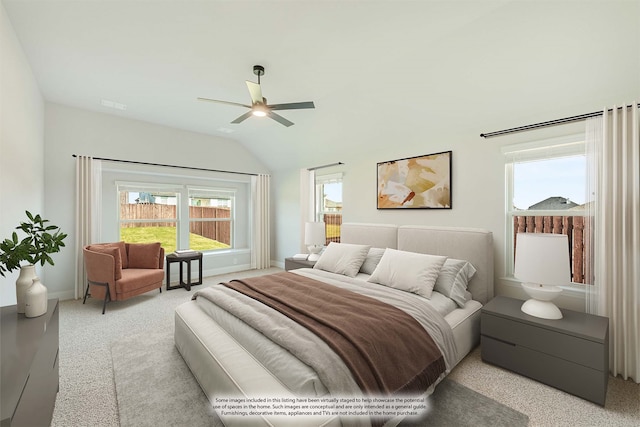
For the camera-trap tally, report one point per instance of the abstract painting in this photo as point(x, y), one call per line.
point(422, 182)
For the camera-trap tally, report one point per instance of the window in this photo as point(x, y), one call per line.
point(328, 204)
point(211, 219)
point(178, 217)
point(546, 191)
point(148, 215)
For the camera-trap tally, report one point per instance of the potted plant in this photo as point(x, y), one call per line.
point(41, 241)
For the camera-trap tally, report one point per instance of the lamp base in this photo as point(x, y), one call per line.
point(314, 252)
point(541, 309)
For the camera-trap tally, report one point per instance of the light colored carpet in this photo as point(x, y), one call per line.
point(87, 395)
point(154, 387)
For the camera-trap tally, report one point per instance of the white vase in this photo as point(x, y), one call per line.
point(35, 299)
point(24, 281)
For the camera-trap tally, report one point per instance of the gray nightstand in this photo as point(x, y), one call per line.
point(292, 264)
point(571, 354)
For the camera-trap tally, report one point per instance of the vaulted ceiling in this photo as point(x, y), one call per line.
point(371, 67)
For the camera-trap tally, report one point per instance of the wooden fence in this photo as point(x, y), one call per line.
point(215, 230)
point(332, 227)
point(576, 229)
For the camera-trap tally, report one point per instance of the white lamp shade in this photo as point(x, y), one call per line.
point(314, 234)
point(542, 258)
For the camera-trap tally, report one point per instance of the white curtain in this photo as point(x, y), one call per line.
point(260, 241)
point(88, 213)
point(307, 202)
point(613, 145)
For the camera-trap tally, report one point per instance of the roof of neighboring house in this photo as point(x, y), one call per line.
point(553, 203)
point(331, 204)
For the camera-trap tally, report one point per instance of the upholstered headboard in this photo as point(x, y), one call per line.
point(471, 244)
point(374, 235)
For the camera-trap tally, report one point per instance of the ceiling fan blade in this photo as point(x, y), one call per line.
point(224, 102)
point(256, 92)
point(292, 106)
point(243, 117)
point(279, 119)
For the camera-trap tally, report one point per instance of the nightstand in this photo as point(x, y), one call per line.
point(292, 264)
point(571, 354)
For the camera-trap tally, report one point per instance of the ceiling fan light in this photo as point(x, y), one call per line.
point(259, 113)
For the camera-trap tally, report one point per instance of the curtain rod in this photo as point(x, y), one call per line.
point(325, 166)
point(548, 123)
point(169, 166)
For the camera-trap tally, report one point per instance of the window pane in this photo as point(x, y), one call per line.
point(543, 187)
point(210, 226)
point(139, 215)
point(550, 184)
point(329, 206)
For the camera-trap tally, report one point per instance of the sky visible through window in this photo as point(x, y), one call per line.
point(535, 181)
point(333, 191)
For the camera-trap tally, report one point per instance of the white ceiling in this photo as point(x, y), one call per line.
point(385, 67)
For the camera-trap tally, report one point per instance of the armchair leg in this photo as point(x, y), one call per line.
point(107, 294)
point(86, 293)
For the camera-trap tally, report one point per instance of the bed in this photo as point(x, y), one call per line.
point(229, 358)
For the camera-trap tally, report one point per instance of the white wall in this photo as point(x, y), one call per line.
point(71, 131)
point(21, 145)
point(502, 71)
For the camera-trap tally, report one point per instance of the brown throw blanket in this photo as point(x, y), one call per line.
point(387, 350)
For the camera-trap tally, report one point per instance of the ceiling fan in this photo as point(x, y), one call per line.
point(259, 106)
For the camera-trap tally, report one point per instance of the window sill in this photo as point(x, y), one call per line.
point(226, 252)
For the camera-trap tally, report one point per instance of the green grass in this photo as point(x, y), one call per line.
point(167, 238)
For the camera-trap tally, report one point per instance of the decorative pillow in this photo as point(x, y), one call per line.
point(408, 271)
point(453, 280)
point(342, 258)
point(371, 261)
point(114, 251)
point(144, 255)
point(123, 251)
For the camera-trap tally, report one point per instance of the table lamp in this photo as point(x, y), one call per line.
point(314, 238)
point(542, 263)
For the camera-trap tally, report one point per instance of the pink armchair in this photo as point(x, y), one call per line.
point(117, 271)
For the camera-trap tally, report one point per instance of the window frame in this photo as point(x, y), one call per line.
point(548, 149)
point(211, 192)
point(320, 180)
point(182, 220)
point(146, 187)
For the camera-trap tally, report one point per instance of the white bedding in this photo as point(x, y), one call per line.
point(295, 375)
point(229, 358)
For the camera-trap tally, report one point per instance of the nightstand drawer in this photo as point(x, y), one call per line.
point(577, 350)
point(582, 381)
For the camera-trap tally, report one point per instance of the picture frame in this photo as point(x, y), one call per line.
point(421, 182)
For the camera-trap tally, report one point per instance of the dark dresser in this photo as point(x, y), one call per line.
point(571, 354)
point(29, 360)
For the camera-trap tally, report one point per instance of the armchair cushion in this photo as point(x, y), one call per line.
point(124, 259)
point(114, 251)
point(144, 255)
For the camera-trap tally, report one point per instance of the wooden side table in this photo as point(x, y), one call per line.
point(292, 264)
point(571, 353)
point(184, 258)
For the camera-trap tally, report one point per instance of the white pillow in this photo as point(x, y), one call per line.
point(342, 258)
point(371, 261)
point(453, 280)
point(408, 271)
